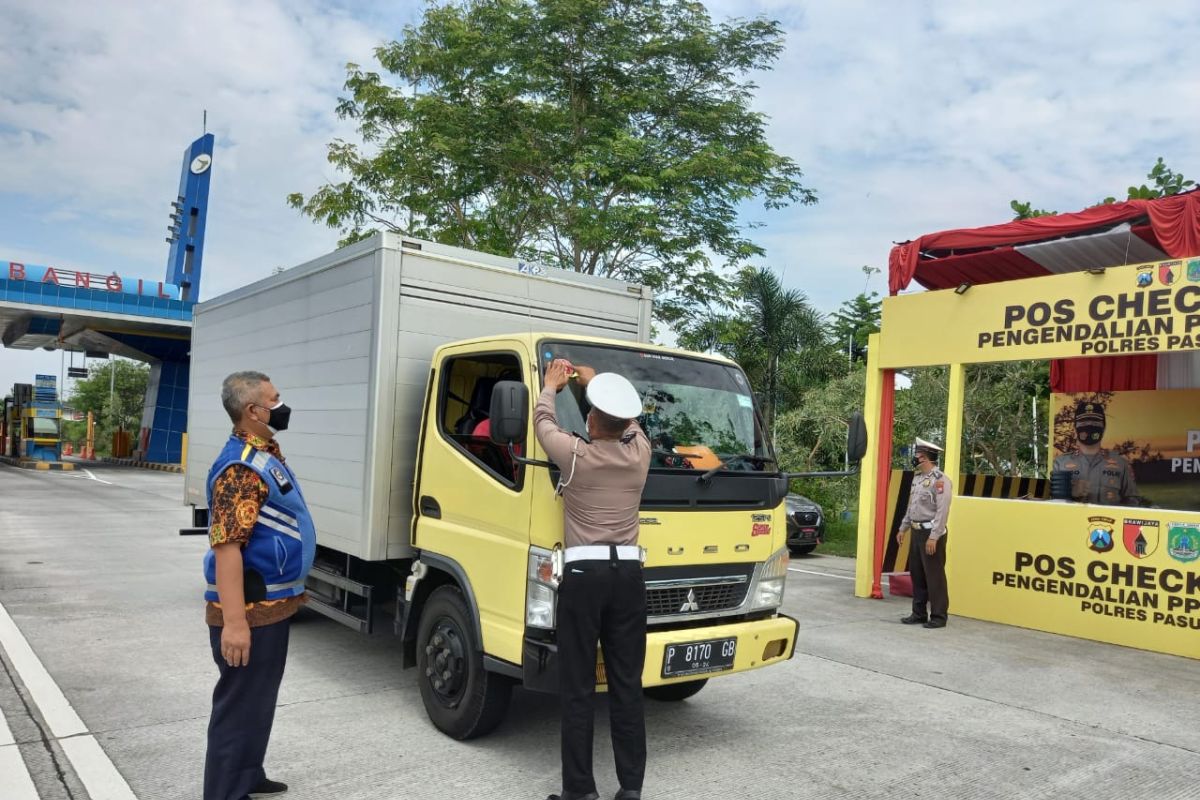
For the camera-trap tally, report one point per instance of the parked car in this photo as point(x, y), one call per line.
point(805, 524)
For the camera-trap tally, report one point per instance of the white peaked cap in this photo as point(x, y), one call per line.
point(921, 444)
point(614, 395)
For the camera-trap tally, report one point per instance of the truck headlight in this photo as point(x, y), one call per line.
point(541, 590)
point(768, 589)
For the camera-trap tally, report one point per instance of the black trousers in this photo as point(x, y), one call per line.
point(243, 712)
point(928, 576)
point(603, 600)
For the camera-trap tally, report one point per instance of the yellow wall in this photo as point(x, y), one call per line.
point(1056, 316)
point(1138, 602)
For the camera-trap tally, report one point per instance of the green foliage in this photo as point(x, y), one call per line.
point(857, 319)
point(999, 434)
point(774, 334)
point(1027, 211)
point(600, 136)
point(1165, 180)
point(811, 436)
point(120, 409)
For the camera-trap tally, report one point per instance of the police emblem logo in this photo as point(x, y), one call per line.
point(281, 480)
point(1145, 277)
point(1140, 536)
point(1193, 270)
point(1183, 541)
point(1100, 534)
point(1168, 272)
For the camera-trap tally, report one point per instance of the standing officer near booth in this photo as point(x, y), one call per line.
point(928, 508)
point(603, 593)
point(262, 541)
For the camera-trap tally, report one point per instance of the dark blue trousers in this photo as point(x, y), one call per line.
point(243, 711)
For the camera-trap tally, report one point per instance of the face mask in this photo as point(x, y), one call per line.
point(280, 414)
point(1090, 434)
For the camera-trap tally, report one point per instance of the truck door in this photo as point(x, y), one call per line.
point(473, 501)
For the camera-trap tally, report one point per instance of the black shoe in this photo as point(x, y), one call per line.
point(913, 619)
point(935, 623)
point(566, 796)
point(628, 794)
point(268, 786)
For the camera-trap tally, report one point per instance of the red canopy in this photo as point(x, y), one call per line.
point(992, 253)
point(988, 254)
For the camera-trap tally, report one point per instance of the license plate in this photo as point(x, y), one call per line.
point(697, 658)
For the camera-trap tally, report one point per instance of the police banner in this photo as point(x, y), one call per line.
point(1127, 576)
point(1157, 431)
point(1144, 308)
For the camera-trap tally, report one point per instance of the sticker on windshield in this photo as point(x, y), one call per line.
point(745, 401)
point(657, 356)
point(737, 377)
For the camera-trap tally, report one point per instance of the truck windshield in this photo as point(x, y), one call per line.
point(697, 413)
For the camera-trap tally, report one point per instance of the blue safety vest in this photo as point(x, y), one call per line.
point(284, 540)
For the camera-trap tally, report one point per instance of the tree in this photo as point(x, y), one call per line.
point(1166, 182)
point(857, 319)
point(120, 408)
point(601, 136)
point(774, 334)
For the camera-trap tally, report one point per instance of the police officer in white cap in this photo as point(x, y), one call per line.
point(603, 594)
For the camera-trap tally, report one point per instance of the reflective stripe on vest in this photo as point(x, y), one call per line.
point(271, 587)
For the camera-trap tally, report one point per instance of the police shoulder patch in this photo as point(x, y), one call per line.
point(940, 486)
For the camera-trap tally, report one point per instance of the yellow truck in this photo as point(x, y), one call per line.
point(397, 356)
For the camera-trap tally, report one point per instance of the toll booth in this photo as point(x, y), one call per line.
point(32, 425)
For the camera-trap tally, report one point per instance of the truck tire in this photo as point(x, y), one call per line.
point(462, 699)
point(802, 549)
point(674, 692)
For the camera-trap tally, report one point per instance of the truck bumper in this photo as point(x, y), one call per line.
point(759, 644)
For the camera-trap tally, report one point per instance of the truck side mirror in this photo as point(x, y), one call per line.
point(856, 437)
point(509, 412)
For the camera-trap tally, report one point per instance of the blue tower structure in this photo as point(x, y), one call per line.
point(164, 417)
point(186, 261)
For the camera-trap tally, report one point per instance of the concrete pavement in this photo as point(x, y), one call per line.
point(107, 596)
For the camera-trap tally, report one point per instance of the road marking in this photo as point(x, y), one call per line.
point(822, 574)
point(18, 781)
point(94, 768)
point(58, 713)
point(76, 474)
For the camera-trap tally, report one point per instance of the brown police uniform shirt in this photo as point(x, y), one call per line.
point(601, 501)
point(238, 494)
point(929, 501)
point(1105, 478)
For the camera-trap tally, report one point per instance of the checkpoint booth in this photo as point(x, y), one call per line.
point(1110, 296)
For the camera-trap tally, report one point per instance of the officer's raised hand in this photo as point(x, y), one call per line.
point(558, 373)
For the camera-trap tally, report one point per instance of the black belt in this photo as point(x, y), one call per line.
point(922, 526)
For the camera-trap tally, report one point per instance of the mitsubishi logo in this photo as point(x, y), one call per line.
point(690, 604)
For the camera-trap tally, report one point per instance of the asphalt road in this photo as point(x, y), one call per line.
point(94, 578)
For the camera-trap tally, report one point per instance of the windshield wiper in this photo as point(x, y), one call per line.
point(706, 477)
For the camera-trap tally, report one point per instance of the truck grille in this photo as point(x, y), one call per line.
point(806, 517)
point(710, 597)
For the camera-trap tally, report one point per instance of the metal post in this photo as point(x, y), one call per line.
point(1037, 467)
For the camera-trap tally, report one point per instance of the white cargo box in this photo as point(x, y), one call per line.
point(348, 340)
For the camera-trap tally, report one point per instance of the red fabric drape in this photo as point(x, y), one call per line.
point(1175, 221)
point(1104, 374)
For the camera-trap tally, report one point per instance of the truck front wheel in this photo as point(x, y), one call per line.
point(462, 699)
point(674, 692)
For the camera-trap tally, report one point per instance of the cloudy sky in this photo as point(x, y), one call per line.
point(907, 118)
